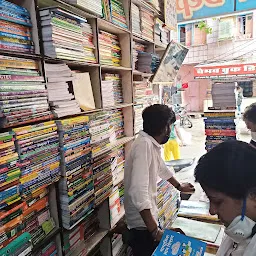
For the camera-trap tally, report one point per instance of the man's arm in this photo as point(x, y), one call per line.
point(177, 130)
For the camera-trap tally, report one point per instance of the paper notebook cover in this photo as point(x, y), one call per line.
point(173, 243)
point(83, 91)
point(199, 230)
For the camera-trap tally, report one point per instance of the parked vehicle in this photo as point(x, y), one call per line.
point(185, 119)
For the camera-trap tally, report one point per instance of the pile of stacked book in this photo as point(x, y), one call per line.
point(118, 247)
point(118, 165)
point(62, 34)
point(89, 47)
point(138, 121)
point(91, 5)
point(116, 87)
point(147, 25)
point(219, 127)
point(148, 62)
point(62, 102)
point(50, 249)
point(136, 20)
point(114, 207)
point(143, 93)
point(19, 246)
point(168, 201)
point(137, 48)
point(162, 34)
point(113, 11)
point(116, 120)
point(107, 91)
point(23, 96)
point(76, 184)
point(102, 134)
point(15, 28)
point(121, 193)
point(74, 240)
point(109, 48)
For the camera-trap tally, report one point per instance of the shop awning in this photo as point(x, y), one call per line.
point(224, 70)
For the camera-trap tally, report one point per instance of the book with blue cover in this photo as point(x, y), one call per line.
point(173, 243)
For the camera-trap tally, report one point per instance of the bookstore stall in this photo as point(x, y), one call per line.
point(74, 81)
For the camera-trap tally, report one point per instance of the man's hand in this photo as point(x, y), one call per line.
point(186, 188)
point(159, 235)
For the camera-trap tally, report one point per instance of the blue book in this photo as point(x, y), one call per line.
point(173, 243)
point(14, 7)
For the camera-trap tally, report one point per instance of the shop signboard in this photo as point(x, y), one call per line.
point(222, 71)
point(198, 9)
point(242, 5)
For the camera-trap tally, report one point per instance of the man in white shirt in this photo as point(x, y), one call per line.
point(250, 120)
point(142, 169)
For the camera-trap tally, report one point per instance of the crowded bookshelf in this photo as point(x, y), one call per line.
point(74, 82)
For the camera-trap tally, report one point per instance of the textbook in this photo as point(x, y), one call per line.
point(173, 243)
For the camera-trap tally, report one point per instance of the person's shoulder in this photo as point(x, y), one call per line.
point(142, 142)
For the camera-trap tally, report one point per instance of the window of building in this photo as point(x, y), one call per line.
point(182, 34)
point(244, 26)
point(226, 28)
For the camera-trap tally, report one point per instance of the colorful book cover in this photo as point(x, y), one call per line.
point(173, 243)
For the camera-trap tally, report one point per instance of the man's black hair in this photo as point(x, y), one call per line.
point(229, 168)
point(156, 118)
point(250, 113)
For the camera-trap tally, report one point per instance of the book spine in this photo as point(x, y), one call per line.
point(5, 35)
point(16, 47)
point(12, 17)
point(18, 64)
point(14, 7)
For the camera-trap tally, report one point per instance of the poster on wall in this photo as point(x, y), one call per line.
point(170, 14)
point(242, 5)
point(191, 9)
point(171, 62)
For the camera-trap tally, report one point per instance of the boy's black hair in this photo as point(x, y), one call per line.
point(156, 118)
point(250, 113)
point(229, 168)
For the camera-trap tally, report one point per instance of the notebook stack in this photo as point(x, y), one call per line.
point(117, 13)
point(89, 47)
point(62, 34)
point(15, 28)
point(138, 121)
point(102, 134)
point(219, 127)
point(118, 247)
point(114, 207)
point(117, 164)
point(136, 20)
point(143, 93)
point(107, 91)
point(147, 25)
point(76, 184)
point(91, 5)
point(168, 200)
point(109, 48)
point(148, 62)
point(62, 102)
point(116, 121)
point(137, 48)
point(23, 96)
point(116, 85)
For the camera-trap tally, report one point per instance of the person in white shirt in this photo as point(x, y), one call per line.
point(142, 169)
point(250, 120)
point(227, 174)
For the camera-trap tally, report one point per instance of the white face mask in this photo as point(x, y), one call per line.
point(253, 134)
point(240, 229)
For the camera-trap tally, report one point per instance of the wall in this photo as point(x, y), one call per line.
point(195, 95)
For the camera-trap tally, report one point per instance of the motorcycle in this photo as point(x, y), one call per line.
point(185, 119)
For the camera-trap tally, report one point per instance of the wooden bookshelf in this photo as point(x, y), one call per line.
point(126, 37)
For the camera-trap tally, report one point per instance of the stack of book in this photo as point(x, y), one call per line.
point(113, 11)
point(148, 62)
point(136, 28)
point(118, 247)
point(117, 87)
point(116, 121)
point(23, 96)
point(117, 165)
point(168, 201)
point(162, 34)
point(102, 134)
point(138, 121)
point(15, 28)
point(38, 149)
point(147, 25)
point(143, 93)
point(62, 102)
point(91, 5)
point(219, 127)
point(76, 184)
point(62, 34)
point(121, 193)
point(137, 48)
point(107, 91)
point(114, 206)
point(50, 249)
point(89, 47)
point(109, 48)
